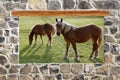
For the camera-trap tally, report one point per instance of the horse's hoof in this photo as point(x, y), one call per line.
point(96, 57)
point(91, 58)
point(65, 58)
point(77, 59)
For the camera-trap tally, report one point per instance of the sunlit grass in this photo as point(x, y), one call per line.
point(55, 54)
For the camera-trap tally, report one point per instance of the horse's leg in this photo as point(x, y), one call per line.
point(49, 39)
point(75, 49)
point(41, 39)
point(35, 40)
point(95, 46)
point(67, 48)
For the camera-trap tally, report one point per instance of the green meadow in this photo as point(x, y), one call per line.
point(54, 54)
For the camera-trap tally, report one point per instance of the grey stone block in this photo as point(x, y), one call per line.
point(106, 4)
point(13, 39)
point(84, 5)
point(7, 32)
point(3, 71)
point(24, 1)
point(13, 69)
point(115, 70)
point(117, 35)
point(109, 38)
point(3, 60)
point(58, 77)
point(26, 69)
point(2, 39)
point(8, 6)
point(13, 24)
point(113, 29)
point(12, 77)
point(106, 47)
point(115, 49)
point(117, 59)
point(54, 5)
point(69, 4)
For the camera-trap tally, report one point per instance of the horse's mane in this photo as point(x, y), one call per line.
point(31, 32)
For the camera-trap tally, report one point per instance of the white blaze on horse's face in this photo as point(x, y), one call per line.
point(59, 26)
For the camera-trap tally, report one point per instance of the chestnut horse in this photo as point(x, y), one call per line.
point(73, 35)
point(44, 29)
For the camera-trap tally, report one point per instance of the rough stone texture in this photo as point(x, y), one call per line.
point(54, 5)
point(115, 49)
point(12, 77)
point(2, 39)
point(13, 24)
point(113, 30)
point(65, 68)
point(3, 60)
point(108, 59)
point(13, 58)
point(68, 4)
point(2, 78)
point(3, 71)
point(102, 70)
point(48, 77)
point(25, 77)
point(13, 69)
point(13, 39)
point(10, 69)
point(26, 69)
point(58, 76)
point(35, 69)
point(117, 35)
point(106, 4)
point(44, 69)
point(109, 38)
point(54, 70)
point(67, 76)
point(96, 78)
point(84, 5)
point(78, 77)
point(115, 70)
point(35, 5)
point(106, 47)
point(117, 59)
point(1, 32)
point(108, 78)
point(77, 68)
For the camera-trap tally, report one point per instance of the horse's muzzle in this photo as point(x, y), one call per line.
point(58, 33)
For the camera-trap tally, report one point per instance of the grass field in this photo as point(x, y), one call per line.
point(55, 54)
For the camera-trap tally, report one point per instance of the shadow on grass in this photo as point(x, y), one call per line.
point(46, 57)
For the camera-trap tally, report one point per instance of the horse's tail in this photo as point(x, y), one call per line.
point(100, 39)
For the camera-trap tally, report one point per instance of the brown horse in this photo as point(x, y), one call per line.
point(73, 35)
point(44, 29)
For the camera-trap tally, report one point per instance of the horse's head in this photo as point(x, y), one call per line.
point(59, 26)
point(30, 40)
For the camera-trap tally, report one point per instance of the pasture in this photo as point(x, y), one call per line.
point(55, 53)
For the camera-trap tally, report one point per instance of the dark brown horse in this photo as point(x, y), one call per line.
point(73, 35)
point(44, 29)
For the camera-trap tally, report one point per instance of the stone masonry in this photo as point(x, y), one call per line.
point(10, 69)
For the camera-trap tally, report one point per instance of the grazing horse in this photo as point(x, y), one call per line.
point(73, 35)
point(44, 29)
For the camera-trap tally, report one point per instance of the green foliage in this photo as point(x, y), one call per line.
point(55, 53)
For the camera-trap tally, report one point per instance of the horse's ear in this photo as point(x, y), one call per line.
point(61, 19)
point(56, 20)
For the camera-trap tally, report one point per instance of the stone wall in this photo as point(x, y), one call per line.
point(10, 69)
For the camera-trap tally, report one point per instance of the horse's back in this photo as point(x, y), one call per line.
point(39, 29)
point(49, 29)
